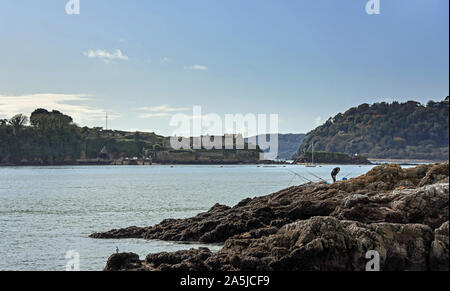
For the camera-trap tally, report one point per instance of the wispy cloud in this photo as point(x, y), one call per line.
point(106, 56)
point(70, 104)
point(166, 60)
point(196, 68)
point(153, 115)
point(160, 111)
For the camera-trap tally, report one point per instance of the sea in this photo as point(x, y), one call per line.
point(48, 213)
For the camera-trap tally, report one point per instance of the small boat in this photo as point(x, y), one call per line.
point(312, 165)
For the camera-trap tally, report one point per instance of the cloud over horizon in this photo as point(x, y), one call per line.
point(81, 113)
point(163, 110)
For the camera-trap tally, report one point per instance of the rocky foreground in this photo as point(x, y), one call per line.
point(401, 213)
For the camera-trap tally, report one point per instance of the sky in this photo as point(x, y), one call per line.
point(144, 60)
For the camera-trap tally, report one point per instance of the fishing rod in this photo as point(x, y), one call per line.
point(301, 177)
point(316, 176)
point(298, 175)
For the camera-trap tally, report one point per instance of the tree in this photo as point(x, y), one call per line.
point(37, 118)
point(45, 120)
point(18, 121)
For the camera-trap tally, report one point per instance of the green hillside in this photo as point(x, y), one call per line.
point(52, 137)
point(398, 130)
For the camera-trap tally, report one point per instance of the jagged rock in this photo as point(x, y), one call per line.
point(129, 232)
point(306, 201)
point(439, 258)
point(427, 205)
point(190, 260)
point(319, 243)
point(317, 226)
point(123, 261)
point(328, 244)
point(436, 174)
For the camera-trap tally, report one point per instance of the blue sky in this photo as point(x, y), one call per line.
point(142, 61)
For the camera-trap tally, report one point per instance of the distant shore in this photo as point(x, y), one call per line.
point(404, 162)
point(100, 162)
point(138, 163)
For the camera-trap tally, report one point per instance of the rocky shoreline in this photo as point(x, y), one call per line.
point(403, 214)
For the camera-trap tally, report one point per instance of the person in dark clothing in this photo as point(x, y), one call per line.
point(334, 173)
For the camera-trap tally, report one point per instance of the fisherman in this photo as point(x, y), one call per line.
point(334, 173)
point(117, 250)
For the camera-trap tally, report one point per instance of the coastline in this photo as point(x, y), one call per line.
point(141, 163)
point(374, 162)
point(400, 213)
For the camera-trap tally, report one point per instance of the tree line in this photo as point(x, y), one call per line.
point(407, 130)
point(50, 137)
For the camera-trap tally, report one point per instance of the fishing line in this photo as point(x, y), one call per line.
point(297, 174)
point(315, 176)
point(293, 177)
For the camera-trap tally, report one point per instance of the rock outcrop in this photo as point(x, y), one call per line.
point(400, 213)
point(123, 262)
point(439, 258)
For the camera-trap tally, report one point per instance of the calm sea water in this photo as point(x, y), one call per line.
point(47, 211)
